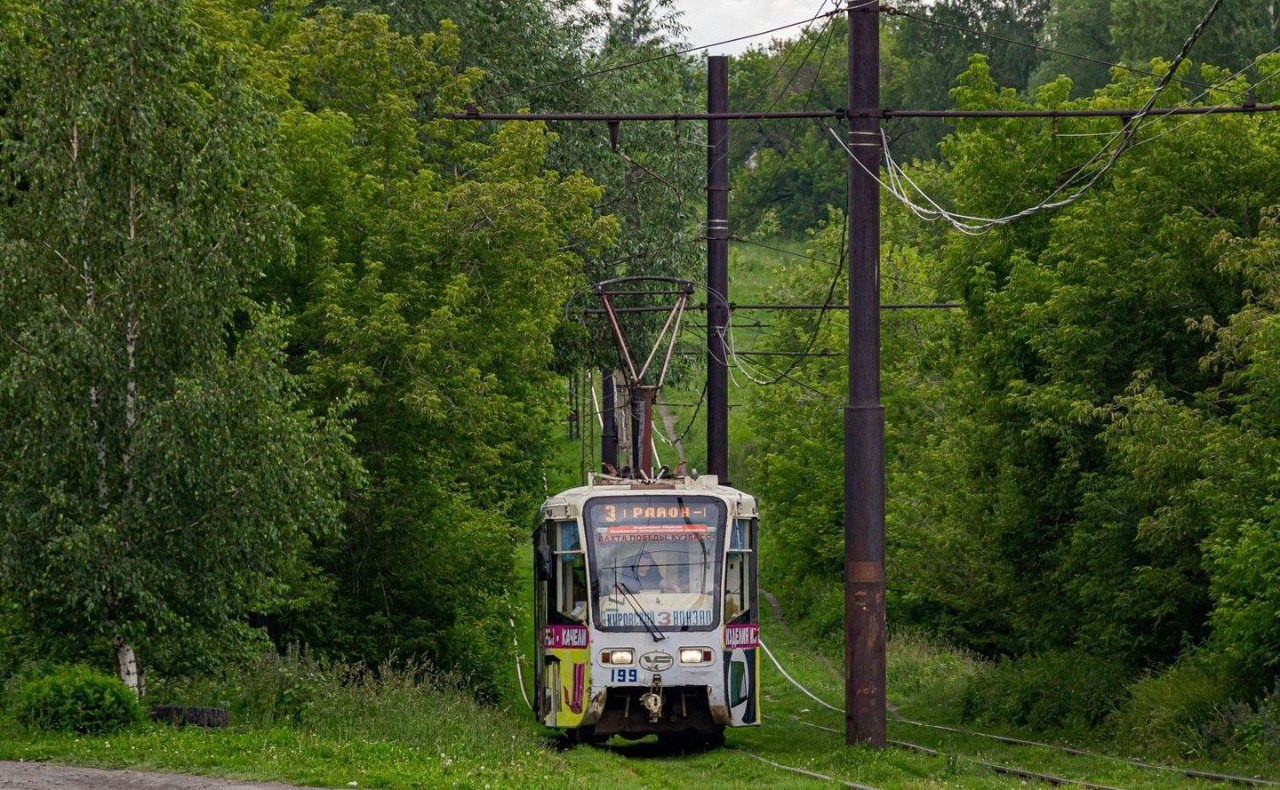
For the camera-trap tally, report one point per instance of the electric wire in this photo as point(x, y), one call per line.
point(817, 327)
point(898, 179)
point(1190, 102)
point(896, 278)
point(1029, 45)
point(783, 64)
point(697, 408)
point(1252, 87)
point(829, 32)
point(654, 58)
point(1190, 772)
point(515, 644)
point(798, 382)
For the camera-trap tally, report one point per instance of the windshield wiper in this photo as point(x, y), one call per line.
point(645, 619)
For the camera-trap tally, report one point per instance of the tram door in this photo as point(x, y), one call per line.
point(560, 603)
point(742, 624)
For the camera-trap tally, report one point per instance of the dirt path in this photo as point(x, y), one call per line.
point(777, 609)
point(41, 776)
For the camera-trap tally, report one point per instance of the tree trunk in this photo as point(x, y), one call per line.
point(130, 673)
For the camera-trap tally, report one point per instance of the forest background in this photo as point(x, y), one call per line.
point(283, 355)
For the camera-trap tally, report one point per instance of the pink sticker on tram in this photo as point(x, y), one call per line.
point(743, 635)
point(574, 703)
point(562, 637)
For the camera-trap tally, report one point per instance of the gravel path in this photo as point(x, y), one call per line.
point(41, 776)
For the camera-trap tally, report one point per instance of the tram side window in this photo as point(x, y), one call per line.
point(737, 589)
point(570, 574)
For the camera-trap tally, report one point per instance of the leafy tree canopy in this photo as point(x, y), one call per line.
point(161, 477)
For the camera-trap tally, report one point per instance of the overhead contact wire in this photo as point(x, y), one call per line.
point(897, 177)
point(1029, 45)
point(653, 59)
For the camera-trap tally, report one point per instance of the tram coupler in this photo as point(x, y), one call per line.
point(652, 700)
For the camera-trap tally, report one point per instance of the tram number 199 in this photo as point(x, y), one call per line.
point(623, 676)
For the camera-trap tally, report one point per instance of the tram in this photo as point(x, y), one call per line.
point(646, 610)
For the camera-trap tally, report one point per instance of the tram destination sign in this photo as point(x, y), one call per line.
point(626, 523)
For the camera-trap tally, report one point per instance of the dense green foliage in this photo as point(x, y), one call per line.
point(159, 473)
point(432, 269)
point(75, 699)
point(1084, 461)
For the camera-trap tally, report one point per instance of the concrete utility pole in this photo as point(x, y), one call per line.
point(717, 268)
point(864, 618)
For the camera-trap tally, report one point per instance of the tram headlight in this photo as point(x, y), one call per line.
point(695, 655)
point(617, 656)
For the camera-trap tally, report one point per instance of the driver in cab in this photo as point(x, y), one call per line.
point(642, 574)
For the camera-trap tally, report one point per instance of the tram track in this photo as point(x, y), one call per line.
point(978, 761)
point(1007, 770)
point(801, 771)
point(1014, 770)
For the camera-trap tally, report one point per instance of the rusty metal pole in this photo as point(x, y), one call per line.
point(864, 659)
point(609, 426)
point(642, 430)
point(717, 268)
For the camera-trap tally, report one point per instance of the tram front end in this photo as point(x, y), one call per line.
point(646, 610)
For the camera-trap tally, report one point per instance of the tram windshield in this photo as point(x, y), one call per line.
point(656, 562)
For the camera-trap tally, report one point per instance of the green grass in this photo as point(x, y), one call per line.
point(399, 733)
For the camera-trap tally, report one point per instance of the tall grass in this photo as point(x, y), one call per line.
point(927, 676)
point(405, 722)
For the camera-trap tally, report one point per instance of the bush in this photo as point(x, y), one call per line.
point(925, 673)
point(1185, 711)
point(1252, 730)
point(76, 699)
point(271, 689)
point(1069, 690)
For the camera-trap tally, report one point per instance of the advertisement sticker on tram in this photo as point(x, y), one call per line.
point(567, 648)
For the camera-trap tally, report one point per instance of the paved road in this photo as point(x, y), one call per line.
point(40, 776)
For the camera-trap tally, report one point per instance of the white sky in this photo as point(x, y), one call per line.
point(716, 20)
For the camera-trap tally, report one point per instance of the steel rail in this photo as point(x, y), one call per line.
point(801, 771)
point(1192, 773)
point(1000, 768)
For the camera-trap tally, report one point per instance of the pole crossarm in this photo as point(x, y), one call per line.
point(885, 113)
point(744, 115)
point(1125, 113)
point(733, 306)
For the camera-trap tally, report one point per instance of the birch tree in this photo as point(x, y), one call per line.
point(159, 479)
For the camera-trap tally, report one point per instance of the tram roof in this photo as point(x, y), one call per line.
point(568, 504)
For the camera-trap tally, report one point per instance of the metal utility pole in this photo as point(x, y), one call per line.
point(717, 267)
point(642, 430)
point(609, 423)
point(864, 616)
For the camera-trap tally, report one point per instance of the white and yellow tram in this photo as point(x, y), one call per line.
point(646, 610)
